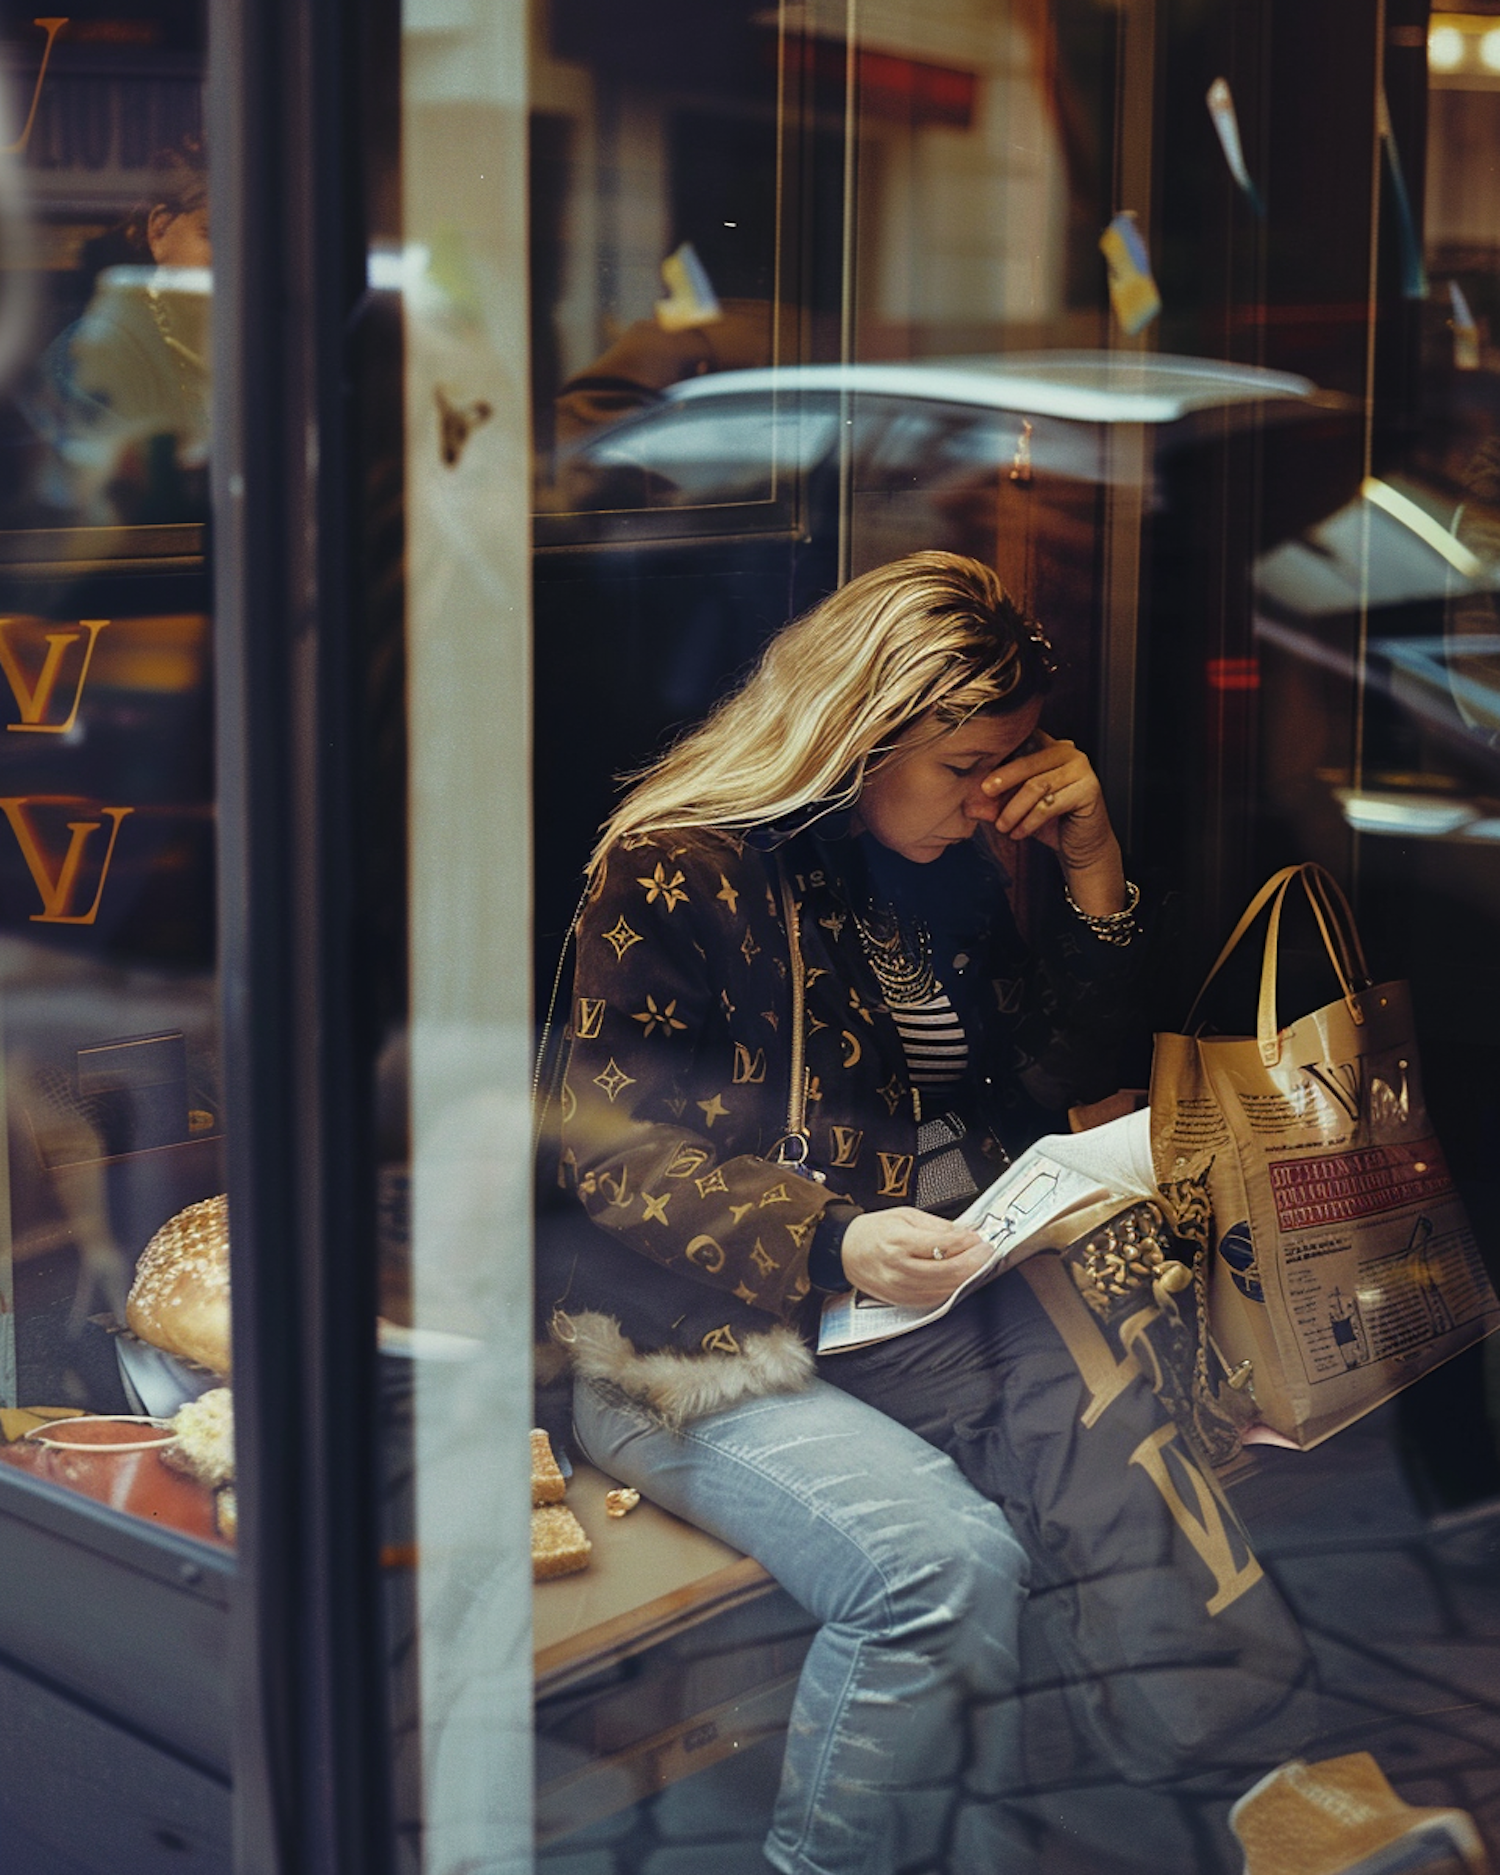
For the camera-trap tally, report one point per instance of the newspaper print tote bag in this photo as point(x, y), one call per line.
point(1341, 1265)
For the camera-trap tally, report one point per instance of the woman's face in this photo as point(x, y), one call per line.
point(929, 799)
point(178, 237)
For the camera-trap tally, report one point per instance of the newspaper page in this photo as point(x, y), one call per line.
point(1381, 1293)
point(1057, 1190)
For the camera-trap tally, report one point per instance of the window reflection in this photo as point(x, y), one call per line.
point(120, 397)
point(1263, 532)
point(112, 1154)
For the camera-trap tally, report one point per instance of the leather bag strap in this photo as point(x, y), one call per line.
point(1276, 883)
point(1339, 949)
point(1336, 927)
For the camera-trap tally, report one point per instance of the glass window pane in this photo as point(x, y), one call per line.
point(113, 1224)
point(1177, 320)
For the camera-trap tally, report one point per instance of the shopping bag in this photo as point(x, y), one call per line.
point(1339, 1262)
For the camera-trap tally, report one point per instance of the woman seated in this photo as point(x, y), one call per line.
point(859, 797)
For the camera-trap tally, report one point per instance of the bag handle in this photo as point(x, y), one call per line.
point(1336, 927)
point(1341, 918)
point(1276, 883)
point(1326, 912)
point(792, 1148)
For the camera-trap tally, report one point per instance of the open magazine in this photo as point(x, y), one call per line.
point(1056, 1192)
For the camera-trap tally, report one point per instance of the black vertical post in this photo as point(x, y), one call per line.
point(289, 230)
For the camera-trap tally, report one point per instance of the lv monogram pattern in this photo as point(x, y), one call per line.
point(679, 1038)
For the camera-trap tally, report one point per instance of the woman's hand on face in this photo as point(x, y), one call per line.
point(1049, 792)
point(889, 1255)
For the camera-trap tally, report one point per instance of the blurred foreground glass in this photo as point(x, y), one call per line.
point(453, 1127)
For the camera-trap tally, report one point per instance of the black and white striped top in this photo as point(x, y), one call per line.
point(936, 1047)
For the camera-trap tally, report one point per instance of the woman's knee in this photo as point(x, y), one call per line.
point(951, 1584)
point(865, 1524)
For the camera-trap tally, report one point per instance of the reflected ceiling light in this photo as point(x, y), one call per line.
point(1445, 48)
point(1489, 50)
point(392, 269)
point(1417, 816)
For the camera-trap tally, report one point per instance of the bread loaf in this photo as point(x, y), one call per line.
point(179, 1301)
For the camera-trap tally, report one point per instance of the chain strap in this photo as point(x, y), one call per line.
point(792, 1148)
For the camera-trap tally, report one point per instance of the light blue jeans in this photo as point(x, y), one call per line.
point(916, 1579)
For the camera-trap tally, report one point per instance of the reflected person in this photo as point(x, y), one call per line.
point(123, 393)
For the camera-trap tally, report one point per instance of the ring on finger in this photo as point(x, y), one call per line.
point(1048, 798)
point(938, 1253)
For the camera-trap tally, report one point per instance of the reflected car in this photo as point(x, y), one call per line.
point(734, 445)
point(672, 542)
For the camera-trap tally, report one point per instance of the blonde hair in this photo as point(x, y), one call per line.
point(932, 636)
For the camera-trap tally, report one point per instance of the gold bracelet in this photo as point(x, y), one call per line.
point(1113, 927)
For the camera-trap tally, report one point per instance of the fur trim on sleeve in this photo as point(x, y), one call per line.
point(678, 1386)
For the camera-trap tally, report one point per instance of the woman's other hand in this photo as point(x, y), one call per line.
point(889, 1255)
point(1048, 791)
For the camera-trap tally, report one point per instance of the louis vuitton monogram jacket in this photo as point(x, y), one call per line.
point(676, 1076)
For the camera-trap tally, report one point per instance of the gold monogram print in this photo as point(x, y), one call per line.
point(613, 1080)
point(749, 1069)
point(621, 937)
point(659, 886)
point(761, 1257)
point(705, 1251)
point(847, 1141)
point(651, 1018)
point(687, 1160)
point(895, 1173)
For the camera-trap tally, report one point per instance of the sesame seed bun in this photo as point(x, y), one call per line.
point(179, 1301)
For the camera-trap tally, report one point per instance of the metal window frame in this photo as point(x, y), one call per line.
point(288, 97)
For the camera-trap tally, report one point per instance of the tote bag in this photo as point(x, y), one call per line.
point(1340, 1263)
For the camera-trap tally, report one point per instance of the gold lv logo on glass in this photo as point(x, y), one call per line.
point(64, 883)
point(34, 695)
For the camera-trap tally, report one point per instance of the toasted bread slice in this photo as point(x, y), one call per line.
point(558, 1545)
point(547, 1482)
